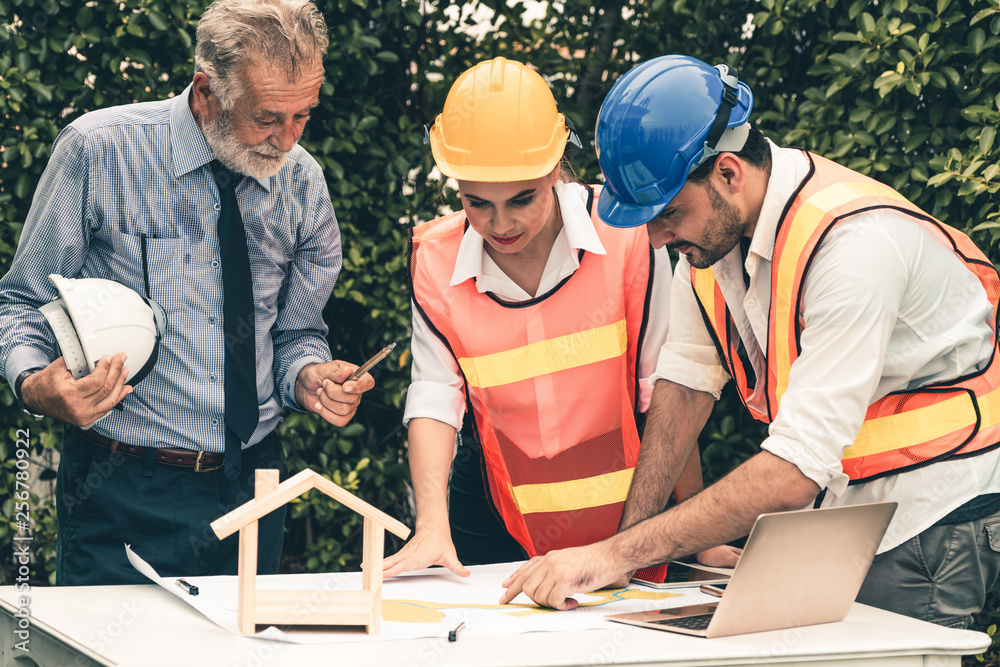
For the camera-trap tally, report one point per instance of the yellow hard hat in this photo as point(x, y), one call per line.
point(500, 124)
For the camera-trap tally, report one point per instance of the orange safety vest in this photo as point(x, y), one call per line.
point(902, 430)
point(552, 382)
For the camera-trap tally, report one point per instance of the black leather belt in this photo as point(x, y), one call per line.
point(178, 458)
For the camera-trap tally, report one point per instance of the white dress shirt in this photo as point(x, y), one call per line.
point(886, 307)
point(437, 389)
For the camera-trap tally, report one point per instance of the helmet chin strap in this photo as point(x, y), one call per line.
point(574, 138)
point(160, 319)
point(726, 105)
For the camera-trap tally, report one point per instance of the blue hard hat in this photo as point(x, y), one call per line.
point(660, 120)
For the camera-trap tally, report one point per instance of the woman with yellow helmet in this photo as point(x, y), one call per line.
point(535, 327)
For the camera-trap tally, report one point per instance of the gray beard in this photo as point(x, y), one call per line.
point(261, 161)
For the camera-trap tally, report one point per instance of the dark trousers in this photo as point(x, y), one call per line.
point(942, 575)
point(105, 500)
point(480, 537)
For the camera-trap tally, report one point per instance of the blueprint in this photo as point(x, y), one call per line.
point(427, 603)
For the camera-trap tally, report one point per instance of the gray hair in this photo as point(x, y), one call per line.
point(233, 33)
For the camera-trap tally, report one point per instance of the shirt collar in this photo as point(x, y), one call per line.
point(188, 147)
point(577, 233)
point(788, 167)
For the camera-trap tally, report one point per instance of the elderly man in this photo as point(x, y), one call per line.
point(868, 342)
point(205, 204)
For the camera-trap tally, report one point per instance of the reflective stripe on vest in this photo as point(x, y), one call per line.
point(575, 494)
point(547, 356)
point(551, 382)
point(716, 314)
point(903, 430)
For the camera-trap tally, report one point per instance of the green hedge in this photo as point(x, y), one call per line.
point(905, 92)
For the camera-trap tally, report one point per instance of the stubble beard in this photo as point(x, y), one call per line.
point(722, 234)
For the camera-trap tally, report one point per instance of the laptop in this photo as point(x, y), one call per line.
point(798, 568)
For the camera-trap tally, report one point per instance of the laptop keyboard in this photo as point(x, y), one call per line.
point(688, 622)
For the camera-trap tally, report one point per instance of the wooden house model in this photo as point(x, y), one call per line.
point(269, 607)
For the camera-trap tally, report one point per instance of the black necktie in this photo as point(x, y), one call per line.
point(744, 358)
point(242, 412)
point(744, 249)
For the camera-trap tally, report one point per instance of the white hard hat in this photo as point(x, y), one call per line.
point(95, 317)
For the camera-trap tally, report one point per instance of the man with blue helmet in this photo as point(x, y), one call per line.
point(861, 330)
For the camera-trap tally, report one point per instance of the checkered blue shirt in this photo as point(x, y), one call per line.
point(118, 173)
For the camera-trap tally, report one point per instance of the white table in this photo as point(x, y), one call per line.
point(145, 626)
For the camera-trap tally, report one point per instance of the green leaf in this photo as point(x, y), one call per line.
point(972, 169)
point(859, 114)
point(367, 123)
point(986, 138)
point(23, 186)
point(185, 38)
point(886, 124)
point(352, 430)
point(44, 91)
point(990, 67)
point(83, 17)
point(938, 179)
point(915, 141)
point(952, 75)
point(836, 86)
point(157, 20)
point(980, 15)
point(867, 23)
point(977, 38)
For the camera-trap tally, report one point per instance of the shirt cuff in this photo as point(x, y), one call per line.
point(825, 471)
point(288, 382)
point(682, 370)
point(435, 400)
point(23, 358)
point(645, 393)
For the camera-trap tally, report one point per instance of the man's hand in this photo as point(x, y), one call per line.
point(720, 556)
point(53, 392)
point(428, 547)
point(323, 389)
point(551, 579)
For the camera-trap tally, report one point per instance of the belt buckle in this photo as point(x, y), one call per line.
point(197, 462)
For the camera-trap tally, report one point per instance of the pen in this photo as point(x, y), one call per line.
point(190, 588)
point(708, 589)
point(363, 368)
point(453, 634)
